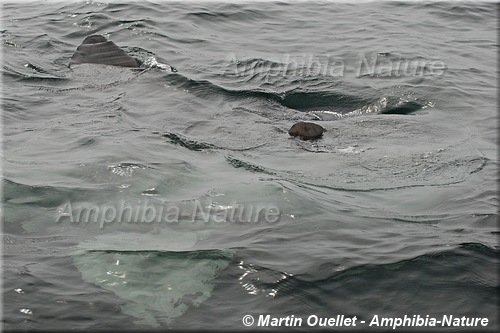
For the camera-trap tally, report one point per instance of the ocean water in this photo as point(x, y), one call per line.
point(171, 196)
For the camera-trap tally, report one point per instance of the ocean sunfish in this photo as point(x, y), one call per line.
point(97, 49)
point(306, 130)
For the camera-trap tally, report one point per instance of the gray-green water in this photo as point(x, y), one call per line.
point(222, 213)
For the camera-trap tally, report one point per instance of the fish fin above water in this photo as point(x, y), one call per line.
point(97, 49)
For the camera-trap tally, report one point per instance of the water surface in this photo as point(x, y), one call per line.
point(391, 213)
